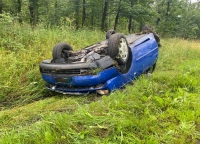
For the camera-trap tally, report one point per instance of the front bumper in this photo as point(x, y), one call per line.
point(76, 90)
point(81, 81)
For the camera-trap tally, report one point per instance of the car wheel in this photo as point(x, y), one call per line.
point(58, 50)
point(151, 69)
point(109, 33)
point(118, 48)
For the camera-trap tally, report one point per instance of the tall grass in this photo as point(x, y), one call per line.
point(163, 108)
point(21, 51)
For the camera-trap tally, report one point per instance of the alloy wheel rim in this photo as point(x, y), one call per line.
point(123, 49)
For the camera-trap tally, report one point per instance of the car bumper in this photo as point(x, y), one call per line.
point(76, 90)
point(81, 81)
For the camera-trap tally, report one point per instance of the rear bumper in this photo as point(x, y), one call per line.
point(103, 63)
point(46, 64)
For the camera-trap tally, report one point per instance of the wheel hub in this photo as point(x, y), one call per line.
point(123, 49)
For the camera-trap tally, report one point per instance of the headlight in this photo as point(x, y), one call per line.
point(102, 92)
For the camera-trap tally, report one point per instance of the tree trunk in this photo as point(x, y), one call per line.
point(130, 24)
point(117, 16)
point(157, 21)
point(1, 6)
point(168, 9)
point(92, 18)
point(141, 23)
point(19, 7)
point(33, 9)
point(84, 13)
point(32, 15)
point(76, 2)
point(103, 20)
point(55, 12)
point(130, 20)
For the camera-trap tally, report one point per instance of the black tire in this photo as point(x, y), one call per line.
point(58, 50)
point(115, 44)
point(109, 33)
point(151, 69)
point(148, 29)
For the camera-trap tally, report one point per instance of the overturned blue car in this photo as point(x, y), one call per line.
point(101, 67)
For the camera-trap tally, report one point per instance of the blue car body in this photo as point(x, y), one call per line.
point(144, 54)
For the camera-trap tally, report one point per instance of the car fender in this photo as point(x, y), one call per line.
point(144, 55)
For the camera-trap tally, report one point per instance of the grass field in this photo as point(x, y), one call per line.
point(163, 108)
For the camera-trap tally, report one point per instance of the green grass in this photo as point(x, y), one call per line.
point(20, 57)
point(163, 108)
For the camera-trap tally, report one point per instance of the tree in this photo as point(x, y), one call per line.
point(83, 13)
point(117, 15)
point(1, 6)
point(19, 7)
point(77, 6)
point(33, 9)
point(130, 18)
point(188, 25)
point(169, 17)
point(178, 18)
point(104, 15)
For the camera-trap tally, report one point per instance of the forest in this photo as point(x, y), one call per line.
point(170, 18)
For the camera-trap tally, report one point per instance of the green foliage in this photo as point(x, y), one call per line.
point(188, 26)
point(178, 18)
point(6, 18)
point(170, 18)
